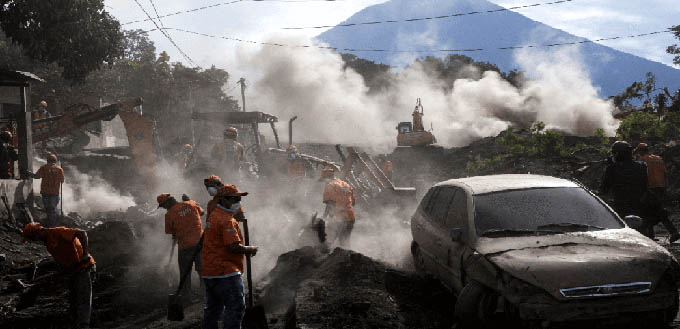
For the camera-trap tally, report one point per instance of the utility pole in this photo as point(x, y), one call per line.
point(242, 82)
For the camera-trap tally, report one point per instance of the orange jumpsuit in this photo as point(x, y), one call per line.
point(656, 170)
point(183, 220)
point(52, 176)
point(342, 196)
point(221, 231)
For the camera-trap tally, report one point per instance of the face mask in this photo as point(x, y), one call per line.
point(293, 156)
point(234, 207)
point(212, 190)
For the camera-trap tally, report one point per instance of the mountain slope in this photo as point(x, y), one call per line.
point(610, 70)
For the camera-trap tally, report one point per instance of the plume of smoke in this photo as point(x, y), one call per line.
point(89, 195)
point(334, 107)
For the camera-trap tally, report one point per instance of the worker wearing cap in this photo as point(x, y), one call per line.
point(296, 166)
point(230, 154)
point(657, 181)
point(69, 248)
point(223, 259)
point(52, 177)
point(8, 155)
point(339, 198)
point(212, 183)
point(183, 221)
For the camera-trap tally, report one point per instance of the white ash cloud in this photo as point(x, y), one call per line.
point(334, 105)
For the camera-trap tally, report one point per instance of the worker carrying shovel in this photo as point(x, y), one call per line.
point(69, 248)
point(52, 177)
point(183, 221)
point(339, 198)
point(223, 259)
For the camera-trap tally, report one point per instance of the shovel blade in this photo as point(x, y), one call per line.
point(175, 308)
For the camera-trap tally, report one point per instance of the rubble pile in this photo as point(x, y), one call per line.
point(126, 289)
point(345, 289)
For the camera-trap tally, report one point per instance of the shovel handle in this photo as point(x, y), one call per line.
point(172, 252)
point(249, 275)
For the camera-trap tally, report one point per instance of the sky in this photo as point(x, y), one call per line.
point(258, 20)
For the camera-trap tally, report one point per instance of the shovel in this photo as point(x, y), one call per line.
point(175, 304)
point(167, 266)
point(255, 317)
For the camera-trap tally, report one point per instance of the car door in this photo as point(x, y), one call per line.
point(423, 230)
point(456, 240)
point(438, 231)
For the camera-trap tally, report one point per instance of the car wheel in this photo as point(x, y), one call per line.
point(418, 259)
point(476, 306)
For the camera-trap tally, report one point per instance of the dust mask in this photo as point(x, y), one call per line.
point(212, 190)
point(234, 207)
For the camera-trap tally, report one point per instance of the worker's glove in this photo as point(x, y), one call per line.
point(185, 197)
point(251, 250)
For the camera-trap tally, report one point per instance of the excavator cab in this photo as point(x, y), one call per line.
point(413, 133)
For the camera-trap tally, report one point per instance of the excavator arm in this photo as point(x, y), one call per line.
point(76, 116)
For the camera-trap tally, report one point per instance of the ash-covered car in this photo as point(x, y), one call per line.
point(539, 250)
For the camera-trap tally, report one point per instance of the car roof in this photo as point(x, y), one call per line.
point(497, 183)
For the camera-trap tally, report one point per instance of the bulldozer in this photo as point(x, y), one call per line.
point(413, 134)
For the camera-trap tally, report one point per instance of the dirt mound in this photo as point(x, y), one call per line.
point(349, 290)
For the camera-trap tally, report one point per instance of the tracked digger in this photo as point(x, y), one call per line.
point(413, 134)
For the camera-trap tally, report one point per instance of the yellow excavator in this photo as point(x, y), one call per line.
point(413, 133)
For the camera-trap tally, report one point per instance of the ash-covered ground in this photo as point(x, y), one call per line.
point(300, 284)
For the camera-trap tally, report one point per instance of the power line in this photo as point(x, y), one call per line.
point(429, 18)
point(162, 30)
point(156, 11)
point(223, 4)
point(274, 44)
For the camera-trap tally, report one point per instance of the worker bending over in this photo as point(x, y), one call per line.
point(223, 258)
point(69, 248)
point(339, 198)
point(183, 221)
point(52, 177)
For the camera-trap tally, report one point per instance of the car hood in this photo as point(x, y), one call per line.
point(578, 259)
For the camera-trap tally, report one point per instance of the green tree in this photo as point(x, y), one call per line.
point(78, 35)
point(675, 49)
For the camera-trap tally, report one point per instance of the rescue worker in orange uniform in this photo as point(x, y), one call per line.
point(387, 168)
point(230, 154)
point(296, 166)
point(656, 194)
point(212, 183)
point(339, 198)
point(69, 248)
point(8, 155)
point(52, 177)
point(183, 221)
point(223, 259)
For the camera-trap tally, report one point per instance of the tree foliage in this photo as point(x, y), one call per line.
point(640, 91)
point(78, 35)
point(675, 49)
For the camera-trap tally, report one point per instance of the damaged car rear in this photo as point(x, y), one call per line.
point(539, 250)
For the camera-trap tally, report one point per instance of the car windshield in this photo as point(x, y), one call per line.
point(542, 210)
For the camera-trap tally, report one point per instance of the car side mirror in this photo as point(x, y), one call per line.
point(456, 234)
point(633, 221)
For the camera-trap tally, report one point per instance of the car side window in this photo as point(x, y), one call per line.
point(458, 212)
point(429, 200)
point(442, 202)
